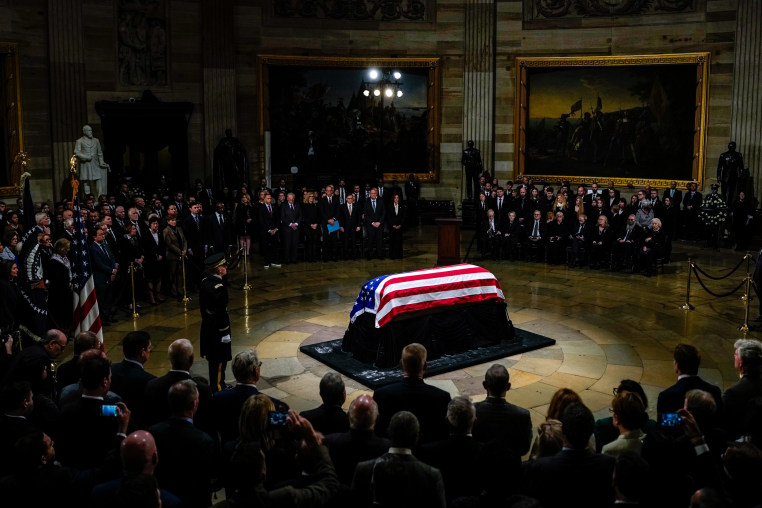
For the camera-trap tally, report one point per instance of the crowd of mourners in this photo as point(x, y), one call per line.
point(152, 245)
point(600, 228)
point(92, 432)
point(89, 432)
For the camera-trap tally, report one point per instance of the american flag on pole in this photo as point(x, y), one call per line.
point(86, 314)
point(389, 295)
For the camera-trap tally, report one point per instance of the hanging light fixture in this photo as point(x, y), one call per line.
point(382, 82)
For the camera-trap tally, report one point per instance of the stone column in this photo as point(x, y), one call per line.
point(68, 97)
point(219, 74)
point(479, 79)
point(746, 108)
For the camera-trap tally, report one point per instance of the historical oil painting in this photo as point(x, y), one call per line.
point(627, 119)
point(325, 117)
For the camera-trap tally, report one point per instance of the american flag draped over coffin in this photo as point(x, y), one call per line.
point(389, 295)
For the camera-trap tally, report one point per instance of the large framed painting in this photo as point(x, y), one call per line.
point(636, 120)
point(320, 118)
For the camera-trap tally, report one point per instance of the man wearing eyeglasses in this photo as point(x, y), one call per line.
point(32, 360)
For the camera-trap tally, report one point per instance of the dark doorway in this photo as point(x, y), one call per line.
point(145, 139)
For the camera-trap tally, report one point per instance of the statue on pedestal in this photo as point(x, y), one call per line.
point(231, 166)
point(731, 173)
point(93, 170)
point(472, 162)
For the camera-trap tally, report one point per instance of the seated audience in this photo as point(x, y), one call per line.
point(68, 372)
point(605, 431)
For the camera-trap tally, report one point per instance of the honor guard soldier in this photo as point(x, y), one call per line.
point(215, 322)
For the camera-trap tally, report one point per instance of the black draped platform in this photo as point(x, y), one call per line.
point(332, 354)
point(442, 331)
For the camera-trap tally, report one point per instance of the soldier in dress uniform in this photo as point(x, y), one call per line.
point(215, 322)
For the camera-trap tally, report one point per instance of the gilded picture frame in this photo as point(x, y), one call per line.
point(306, 83)
point(637, 120)
point(13, 133)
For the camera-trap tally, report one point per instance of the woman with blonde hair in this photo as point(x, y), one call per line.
point(245, 223)
point(549, 440)
point(254, 426)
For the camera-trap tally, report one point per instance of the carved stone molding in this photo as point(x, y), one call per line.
point(539, 11)
point(353, 10)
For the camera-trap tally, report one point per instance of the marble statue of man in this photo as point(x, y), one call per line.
point(92, 168)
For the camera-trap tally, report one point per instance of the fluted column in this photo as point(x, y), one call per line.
point(219, 74)
point(746, 112)
point(68, 97)
point(479, 78)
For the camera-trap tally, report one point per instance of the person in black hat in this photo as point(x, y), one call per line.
point(215, 322)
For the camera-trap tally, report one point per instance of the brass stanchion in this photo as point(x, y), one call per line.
point(745, 326)
point(185, 292)
point(246, 286)
point(747, 257)
point(687, 305)
point(135, 314)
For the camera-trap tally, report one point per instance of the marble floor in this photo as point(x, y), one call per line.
point(608, 326)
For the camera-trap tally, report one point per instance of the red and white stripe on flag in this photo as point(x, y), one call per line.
point(436, 287)
point(86, 312)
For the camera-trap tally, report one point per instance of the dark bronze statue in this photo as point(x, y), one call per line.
point(231, 167)
point(472, 162)
point(731, 173)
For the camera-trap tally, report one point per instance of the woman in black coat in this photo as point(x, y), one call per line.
point(60, 295)
point(653, 246)
point(600, 243)
point(130, 251)
point(154, 249)
point(396, 217)
point(310, 228)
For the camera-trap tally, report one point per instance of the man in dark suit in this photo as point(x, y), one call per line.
point(329, 417)
point(360, 442)
point(497, 419)
point(349, 218)
point(686, 362)
point(384, 193)
point(227, 404)
point(398, 475)
point(374, 217)
point(128, 377)
point(290, 220)
point(84, 437)
point(747, 360)
point(18, 402)
point(691, 208)
point(180, 354)
point(68, 372)
point(189, 456)
point(329, 214)
point(575, 473)
point(104, 273)
point(458, 457)
point(218, 234)
point(205, 196)
point(579, 237)
point(427, 402)
point(194, 235)
point(268, 232)
point(625, 244)
point(536, 231)
point(675, 194)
